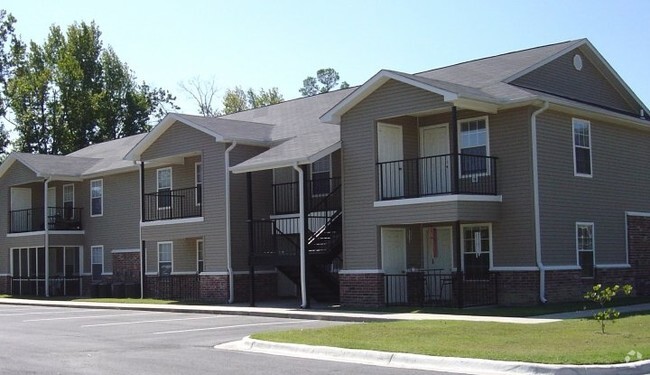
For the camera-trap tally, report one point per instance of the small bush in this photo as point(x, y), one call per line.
point(602, 296)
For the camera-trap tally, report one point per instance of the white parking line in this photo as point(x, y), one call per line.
point(234, 326)
point(43, 312)
point(90, 317)
point(146, 321)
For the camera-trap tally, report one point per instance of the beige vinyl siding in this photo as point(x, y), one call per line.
point(118, 227)
point(620, 159)
point(178, 139)
point(589, 84)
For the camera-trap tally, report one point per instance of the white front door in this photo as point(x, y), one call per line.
point(21, 204)
point(51, 197)
point(434, 171)
point(51, 206)
point(390, 148)
point(438, 260)
point(393, 260)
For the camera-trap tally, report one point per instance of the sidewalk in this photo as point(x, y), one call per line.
point(375, 358)
point(279, 312)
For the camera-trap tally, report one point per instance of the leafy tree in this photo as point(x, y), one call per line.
point(602, 296)
point(72, 92)
point(7, 39)
point(326, 79)
point(203, 93)
point(237, 100)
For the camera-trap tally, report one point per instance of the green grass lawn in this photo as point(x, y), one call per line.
point(566, 342)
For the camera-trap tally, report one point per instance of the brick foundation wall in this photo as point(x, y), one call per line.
point(177, 287)
point(214, 288)
point(126, 267)
point(5, 284)
point(362, 290)
point(518, 288)
point(638, 232)
point(266, 287)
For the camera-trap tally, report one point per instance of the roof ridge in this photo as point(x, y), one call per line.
point(229, 119)
point(498, 55)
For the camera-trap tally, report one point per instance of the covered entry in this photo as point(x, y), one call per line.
point(28, 271)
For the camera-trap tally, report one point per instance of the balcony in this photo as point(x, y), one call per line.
point(172, 204)
point(58, 218)
point(286, 195)
point(437, 175)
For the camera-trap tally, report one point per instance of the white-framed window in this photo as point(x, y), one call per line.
point(199, 256)
point(585, 248)
point(473, 144)
point(164, 187)
point(581, 148)
point(165, 256)
point(476, 246)
point(321, 172)
point(97, 261)
point(96, 197)
point(68, 201)
point(198, 182)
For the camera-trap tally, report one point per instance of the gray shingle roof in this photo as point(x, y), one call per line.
point(231, 129)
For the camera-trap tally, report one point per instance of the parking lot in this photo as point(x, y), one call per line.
point(62, 340)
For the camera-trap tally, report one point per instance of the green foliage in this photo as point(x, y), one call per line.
point(237, 100)
point(326, 79)
point(71, 92)
point(603, 296)
point(7, 41)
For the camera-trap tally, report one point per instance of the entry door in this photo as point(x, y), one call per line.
point(51, 206)
point(437, 255)
point(21, 215)
point(393, 260)
point(434, 171)
point(390, 148)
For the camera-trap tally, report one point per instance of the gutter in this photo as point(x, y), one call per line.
point(538, 235)
point(303, 240)
point(231, 280)
point(46, 227)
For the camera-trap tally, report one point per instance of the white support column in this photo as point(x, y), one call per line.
point(46, 227)
point(303, 240)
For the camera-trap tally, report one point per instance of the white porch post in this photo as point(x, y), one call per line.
point(303, 240)
point(46, 227)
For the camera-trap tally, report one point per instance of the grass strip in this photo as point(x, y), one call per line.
point(567, 342)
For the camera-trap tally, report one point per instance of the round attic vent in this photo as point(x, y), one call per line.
point(577, 62)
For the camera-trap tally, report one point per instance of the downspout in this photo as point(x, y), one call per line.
point(303, 240)
point(538, 234)
point(143, 265)
point(46, 227)
point(231, 279)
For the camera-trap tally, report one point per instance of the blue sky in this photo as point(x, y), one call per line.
point(279, 43)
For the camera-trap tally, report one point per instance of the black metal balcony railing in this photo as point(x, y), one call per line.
point(434, 175)
point(172, 204)
point(32, 219)
point(286, 195)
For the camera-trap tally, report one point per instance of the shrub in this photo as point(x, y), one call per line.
point(602, 296)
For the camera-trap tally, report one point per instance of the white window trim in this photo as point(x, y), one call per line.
point(196, 183)
point(593, 245)
point(91, 258)
point(158, 255)
point(101, 181)
point(197, 254)
point(171, 187)
point(64, 187)
point(573, 143)
point(462, 243)
point(488, 169)
point(311, 177)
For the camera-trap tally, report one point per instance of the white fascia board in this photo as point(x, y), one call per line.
point(333, 116)
point(60, 178)
point(476, 105)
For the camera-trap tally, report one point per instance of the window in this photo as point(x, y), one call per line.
point(198, 182)
point(68, 201)
point(164, 187)
point(199, 256)
point(581, 147)
point(473, 146)
point(96, 197)
point(165, 258)
point(585, 248)
point(476, 246)
point(320, 175)
point(97, 261)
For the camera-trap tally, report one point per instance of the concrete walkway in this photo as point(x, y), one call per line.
point(376, 358)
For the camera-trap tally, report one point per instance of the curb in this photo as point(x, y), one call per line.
point(429, 363)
